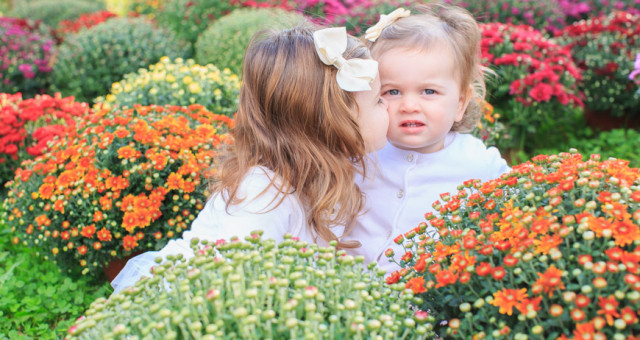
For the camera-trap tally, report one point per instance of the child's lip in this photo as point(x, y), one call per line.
point(411, 123)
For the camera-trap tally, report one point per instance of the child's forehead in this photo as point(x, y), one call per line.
point(438, 61)
point(418, 52)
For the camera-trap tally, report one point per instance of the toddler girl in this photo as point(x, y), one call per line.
point(431, 78)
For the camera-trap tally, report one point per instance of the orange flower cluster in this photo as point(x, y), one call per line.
point(550, 251)
point(124, 181)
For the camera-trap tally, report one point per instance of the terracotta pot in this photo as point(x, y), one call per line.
point(604, 121)
point(114, 267)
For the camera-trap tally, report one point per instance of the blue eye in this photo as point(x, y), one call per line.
point(429, 91)
point(393, 92)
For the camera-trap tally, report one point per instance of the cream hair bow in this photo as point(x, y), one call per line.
point(385, 20)
point(354, 74)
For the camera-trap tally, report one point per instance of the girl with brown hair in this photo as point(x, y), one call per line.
point(309, 111)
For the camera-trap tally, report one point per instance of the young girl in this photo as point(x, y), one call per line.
point(309, 111)
point(432, 80)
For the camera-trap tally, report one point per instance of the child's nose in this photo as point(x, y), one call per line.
point(409, 104)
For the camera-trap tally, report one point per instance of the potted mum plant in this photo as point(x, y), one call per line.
point(549, 251)
point(605, 49)
point(28, 125)
point(122, 182)
point(177, 82)
point(258, 290)
point(534, 85)
point(27, 49)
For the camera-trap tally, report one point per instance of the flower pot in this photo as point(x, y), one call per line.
point(114, 267)
point(604, 121)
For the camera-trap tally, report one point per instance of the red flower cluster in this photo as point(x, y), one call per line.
point(605, 49)
point(536, 83)
point(123, 181)
point(27, 126)
point(83, 21)
point(550, 251)
point(546, 68)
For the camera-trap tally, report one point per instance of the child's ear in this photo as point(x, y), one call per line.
point(463, 103)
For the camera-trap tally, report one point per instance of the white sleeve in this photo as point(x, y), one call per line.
point(258, 211)
point(496, 165)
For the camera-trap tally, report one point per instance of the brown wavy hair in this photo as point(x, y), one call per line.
point(294, 120)
point(438, 23)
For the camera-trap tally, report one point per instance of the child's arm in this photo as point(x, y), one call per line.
point(216, 222)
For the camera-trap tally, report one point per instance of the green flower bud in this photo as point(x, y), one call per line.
point(239, 312)
point(291, 323)
point(410, 323)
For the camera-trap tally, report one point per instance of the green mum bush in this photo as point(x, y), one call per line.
point(257, 290)
point(52, 12)
point(177, 82)
point(189, 18)
point(224, 42)
point(90, 61)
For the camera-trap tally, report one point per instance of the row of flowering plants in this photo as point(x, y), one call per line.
point(122, 182)
point(82, 22)
point(255, 289)
point(605, 48)
point(535, 82)
point(28, 125)
point(549, 251)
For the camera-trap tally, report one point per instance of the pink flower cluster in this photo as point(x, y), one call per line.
point(25, 55)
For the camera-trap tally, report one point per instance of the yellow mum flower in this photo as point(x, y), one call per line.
point(195, 88)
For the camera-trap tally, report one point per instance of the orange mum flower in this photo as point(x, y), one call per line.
point(608, 307)
point(129, 242)
point(546, 243)
point(174, 181)
point(46, 190)
point(127, 152)
point(104, 235)
point(445, 277)
point(97, 216)
point(506, 299)
point(551, 280)
point(416, 284)
point(529, 305)
point(82, 250)
point(88, 231)
point(625, 232)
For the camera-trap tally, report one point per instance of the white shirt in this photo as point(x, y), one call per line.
point(406, 183)
point(216, 222)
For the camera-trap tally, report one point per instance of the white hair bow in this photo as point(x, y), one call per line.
point(354, 74)
point(385, 20)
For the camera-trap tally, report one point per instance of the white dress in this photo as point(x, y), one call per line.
point(216, 222)
point(406, 183)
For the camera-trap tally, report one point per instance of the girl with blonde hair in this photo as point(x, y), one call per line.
point(309, 111)
point(432, 79)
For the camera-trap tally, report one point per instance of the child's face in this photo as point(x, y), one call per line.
point(424, 97)
point(372, 117)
